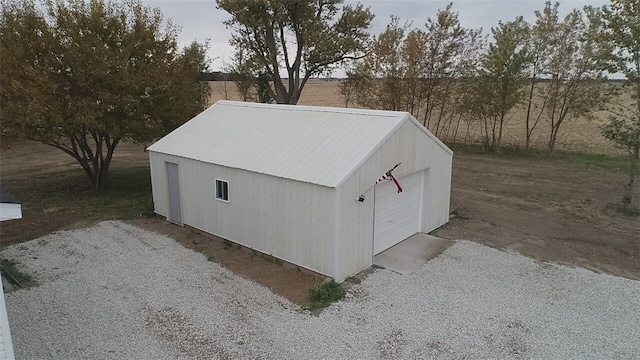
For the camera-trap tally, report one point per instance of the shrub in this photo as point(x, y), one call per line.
point(322, 295)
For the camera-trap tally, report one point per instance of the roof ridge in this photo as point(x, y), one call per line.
point(326, 109)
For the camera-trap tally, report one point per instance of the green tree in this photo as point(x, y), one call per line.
point(264, 92)
point(420, 70)
point(499, 85)
point(380, 76)
point(576, 87)
point(450, 48)
point(306, 38)
point(621, 20)
point(243, 75)
point(82, 76)
point(538, 49)
point(348, 87)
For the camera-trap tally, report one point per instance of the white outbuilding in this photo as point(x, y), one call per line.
point(299, 182)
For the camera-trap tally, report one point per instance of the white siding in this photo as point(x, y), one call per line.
point(417, 151)
point(354, 250)
point(288, 219)
point(6, 347)
point(322, 228)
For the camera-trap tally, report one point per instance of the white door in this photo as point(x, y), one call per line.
point(175, 205)
point(397, 215)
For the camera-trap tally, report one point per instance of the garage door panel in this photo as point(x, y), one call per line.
point(397, 229)
point(397, 215)
point(394, 219)
point(394, 209)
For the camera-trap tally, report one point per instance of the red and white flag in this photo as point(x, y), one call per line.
point(389, 177)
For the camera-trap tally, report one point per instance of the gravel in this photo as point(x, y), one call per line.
point(115, 291)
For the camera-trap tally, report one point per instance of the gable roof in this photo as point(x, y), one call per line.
point(319, 145)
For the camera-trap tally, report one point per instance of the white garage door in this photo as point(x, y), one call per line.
point(397, 216)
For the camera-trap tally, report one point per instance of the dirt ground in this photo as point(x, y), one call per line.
point(549, 210)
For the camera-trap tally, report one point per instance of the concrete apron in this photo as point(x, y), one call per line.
point(408, 255)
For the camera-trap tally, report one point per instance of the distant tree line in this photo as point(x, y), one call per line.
point(450, 77)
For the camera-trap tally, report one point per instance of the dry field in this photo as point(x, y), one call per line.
point(579, 135)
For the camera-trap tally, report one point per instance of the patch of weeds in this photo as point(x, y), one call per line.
point(457, 214)
point(324, 294)
point(629, 211)
point(227, 244)
point(14, 275)
point(128, 195)
point(272, 259)
point(353, 280)
point(617, 163)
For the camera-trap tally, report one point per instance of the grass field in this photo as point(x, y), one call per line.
point(576, 135)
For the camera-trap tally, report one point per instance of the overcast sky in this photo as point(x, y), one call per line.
point(200, 20)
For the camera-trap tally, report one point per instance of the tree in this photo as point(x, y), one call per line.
point(380, 76)
point(264, 92)
point(576, 86)
point(300, 36)
point(420, 70)
point(451, 48)
point(244, 76)
point(499, 85)
point(622, 30)
point(82, 76)
point(538, 50)
point(348, 87)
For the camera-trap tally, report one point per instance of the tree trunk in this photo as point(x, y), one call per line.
point(428, 108)
point(552, 140)
point(528, 132)
point(455, 132)
point(494, 121)
point(500, 129)
point(94, 162)
point(468, 133)
point(554, 94)
point(555, 126)
point(486, 133)
point(445, 97)
point(104, 166)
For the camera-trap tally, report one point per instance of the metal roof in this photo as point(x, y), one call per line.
point(319, 145)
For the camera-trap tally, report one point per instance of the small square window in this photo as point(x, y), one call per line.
point(222, 190)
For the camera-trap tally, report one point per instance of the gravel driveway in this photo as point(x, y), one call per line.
point(118, 292)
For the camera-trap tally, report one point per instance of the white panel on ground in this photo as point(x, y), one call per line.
point(397, 215)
